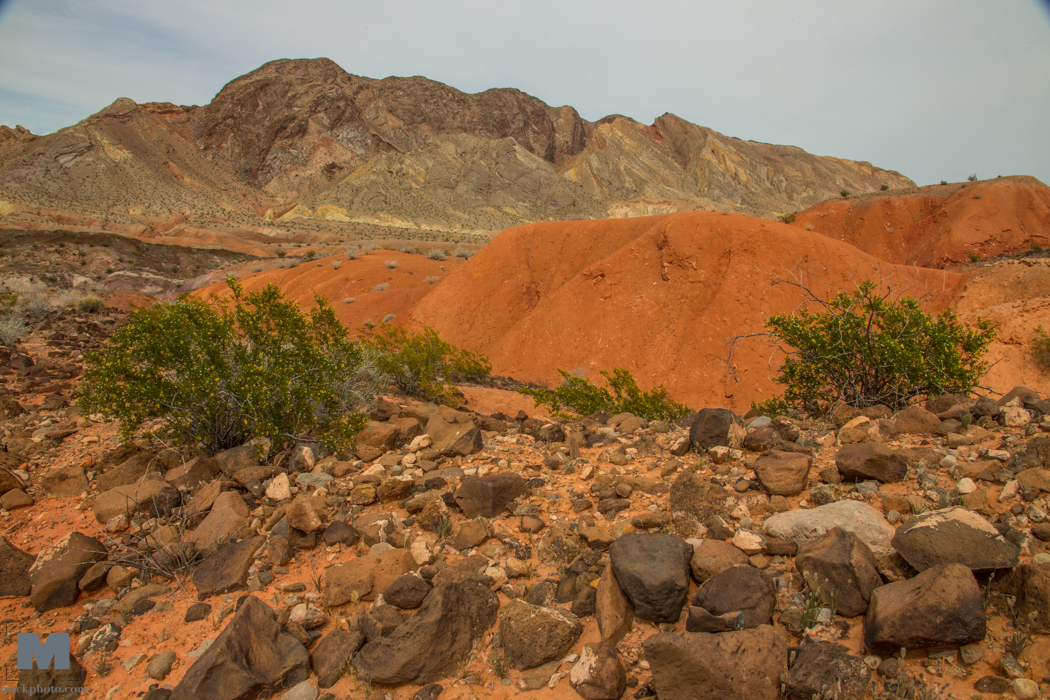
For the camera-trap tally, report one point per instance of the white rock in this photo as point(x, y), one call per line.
point(802, 526)
point(1009, 491)
point(760, 422)
point(308, 616)
point(420, 552)
point(303, 691)
point(965, 486)
point(747, 542)
point(1025, 688)
point(420, 442)
point(280, 489)
point(1015, 417)
point(118, 523)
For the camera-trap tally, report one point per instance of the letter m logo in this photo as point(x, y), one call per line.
point(55, 650)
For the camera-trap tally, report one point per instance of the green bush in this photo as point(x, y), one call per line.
point(220, 375)
point(577, 396)
point(867, 348)
point(422, 365)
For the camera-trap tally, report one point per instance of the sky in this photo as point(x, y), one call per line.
point(935, 89)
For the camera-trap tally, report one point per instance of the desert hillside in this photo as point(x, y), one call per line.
point(665, 296)
point(301, 148)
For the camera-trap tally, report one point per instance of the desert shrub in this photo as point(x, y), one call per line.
point(578, 396)
point(431, 280)
point(868, 348)
point(12, 327)
point(281, 252)
point(392, 264)
point(436, 254)
point(381, 287)
point(464, 253)
point(972, 178)
point(973, 255)
point(222, 374)
point(309, 255)
point(845, 194)
point(336, 264)
point(1040, 347)
point(349, 300)
point(884, 187)
point(389, 317)
point(788, 218)
point(91, 304)
point(422, 365)
point(36, 303)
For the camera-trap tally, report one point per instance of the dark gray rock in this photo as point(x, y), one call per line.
point(407, 591)
point(14, 570)
point(56, 573)
point(332, 653)
point(227, 569)
point(65, 684)
point(653, 572)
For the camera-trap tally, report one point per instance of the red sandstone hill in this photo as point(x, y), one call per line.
point(940, 225)
point(664, 296)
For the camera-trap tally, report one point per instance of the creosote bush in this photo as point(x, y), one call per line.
point(577, 396)
point(868, 348)
point(219, 375)
point(91, 304)
point(422, 365)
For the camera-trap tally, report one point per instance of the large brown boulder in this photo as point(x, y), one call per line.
point(954, 535)
point(783, 473)
point(826, 670)
point(453, 432)
point(533, 635)
point(741, 589)
point(839, 566)
point(940, 607)
point(14, 570)
point(156, 498)
point(365, 577)
point(199, 470)
point(488, 496)
point(916, 420)
point(653, 571)
point(65, 482)
point(129, 471)
point(330, 656)
point(374, 440)
point(701, 666)
point(253, 657)
point(712, 557)
point(715, 427)
point(227, 569)
point(56, 573)
point(433, 642)
point(598, 674)
point(870, 460)
point(227, 517)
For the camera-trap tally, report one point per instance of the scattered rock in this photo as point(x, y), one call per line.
point(916, 420)
point(56, 573)
point(332, 654)
point(653, 571)
point(61, 681)
point(227, 569)
point(14, 570)
point(365, 577)
point(783, 473)
point(745, 664)
point(954, 535)
point(431, 644)
point(488, 496)
point(870, 460)
point(252, 657)
point(942, 606)
point(839, 564)
point(598, 673)
point(741, 589)
point(533, 635)
point(65, 482)
point(453, 432)
point(160, 665)
point(712, 557)
point(826, 670)
point(714, 427)
point(801, 526)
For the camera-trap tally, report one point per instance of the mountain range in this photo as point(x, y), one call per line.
point(306, 144)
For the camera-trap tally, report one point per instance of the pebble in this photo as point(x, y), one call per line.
point(971, 653)
point(1025, 688)
point(965, 486)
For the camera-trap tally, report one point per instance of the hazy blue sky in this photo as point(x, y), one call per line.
point(937, 89)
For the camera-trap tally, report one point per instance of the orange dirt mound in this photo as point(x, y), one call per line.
point(661, 296)
point(355, 279)
point(941, 225)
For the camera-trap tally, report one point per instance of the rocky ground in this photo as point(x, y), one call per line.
point(471, 554)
